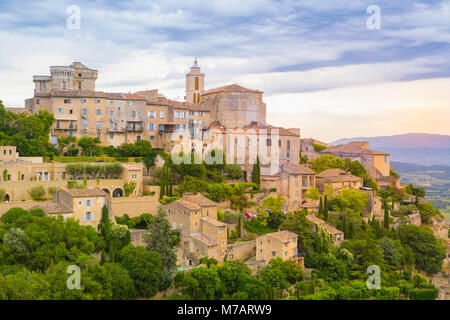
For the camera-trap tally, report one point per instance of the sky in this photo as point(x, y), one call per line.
point(324, 66)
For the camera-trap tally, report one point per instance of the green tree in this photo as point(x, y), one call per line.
point(88, 145)
point(37, 193)
point(256, 173)
point(313, 194)
point(161, 239)
point(121, 283)
point(144, 267)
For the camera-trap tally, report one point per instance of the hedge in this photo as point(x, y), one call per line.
point(423, 294)
point(93, 159)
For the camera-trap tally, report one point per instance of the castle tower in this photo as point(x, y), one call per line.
point(195, 84)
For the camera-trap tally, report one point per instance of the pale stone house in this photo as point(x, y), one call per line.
point(307, 148)
point(281, 244)
point(195, 217)
point(84, 205)
point(338, 235)
point(337, 179)
point(377, 163)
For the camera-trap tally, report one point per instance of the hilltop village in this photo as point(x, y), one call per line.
point(289, 217)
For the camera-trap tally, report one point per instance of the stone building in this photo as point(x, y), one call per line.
point(19, 174)
point(84, 205)
point(338, 235)
point(307, 148)
point(281, 244)
point(377, 163)
point(291, 182)
point(337, 179)
point(195, 218)
point(115, 118)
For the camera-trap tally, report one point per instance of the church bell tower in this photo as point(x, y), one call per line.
point(195, 84)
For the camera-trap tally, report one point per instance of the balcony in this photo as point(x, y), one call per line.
point(65, 127)
point(134, 126)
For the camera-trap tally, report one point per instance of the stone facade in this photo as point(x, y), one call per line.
point(195, 218)
point(338, 180)
point(281, 244)
point(377, 163)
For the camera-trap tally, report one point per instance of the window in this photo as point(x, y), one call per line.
point(79, 85)
point(83, 100)
point(97, 101)
point(279, 143)
point(273, 253)
point(296, 193)
point(98, 124)
point(84, 111)
point(294, 240)
point(196, 83)
point(152, 138)
point(151, 114)
point(133, 113)
point(60, 110)
point(201, 113)
point(288, 145)
point(88, 216)
point(296, 182)
point(161, 127)
point(131, 103)
point(84, 123)
point(66, 101)
point(268, 142)
point(70, 111)
point(181, 127)
point(111, 113)
point(111, 135)
point(180, 114)
point(192, 113)
point(222, 229)
point(38, 101)
point(98, 112)
point(161, 114)
point(87, 203)
point(151, 126)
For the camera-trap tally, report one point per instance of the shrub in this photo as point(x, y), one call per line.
point(129, 187)
point(392, 293)
point(423, 294)
point(167, 200)
point(233, 171)
point(2, 194)
point(37, 193)
point(52, 190)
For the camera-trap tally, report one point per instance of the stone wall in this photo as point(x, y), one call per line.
point(241, 250)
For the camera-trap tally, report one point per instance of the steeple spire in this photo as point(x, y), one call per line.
point(195, 63)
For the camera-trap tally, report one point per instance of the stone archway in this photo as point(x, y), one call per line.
point(107, 191)
point(117, 193)
point(6, 198)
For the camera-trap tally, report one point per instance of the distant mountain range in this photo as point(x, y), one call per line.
point(416, 148)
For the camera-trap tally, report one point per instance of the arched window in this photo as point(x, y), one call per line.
point(196, 83)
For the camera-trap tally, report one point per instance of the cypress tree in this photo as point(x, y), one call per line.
point(386, 219)
point(320, 206)
point(162, 189)
point(344, 227)
point(351, 232)
point(256, 173)
point(239, 227)
point(325, 208)
point(103, 258)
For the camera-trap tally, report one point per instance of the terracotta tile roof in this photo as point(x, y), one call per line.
point(338, 175)
point(354, 148)
point(204, 239)
point(82, 193)
point(54, 208)
point(283, 236)
point(189, 205)
point(199, 200)
point(314, 219)
point(214, 222)
point(293, 168)
point(230, 88)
